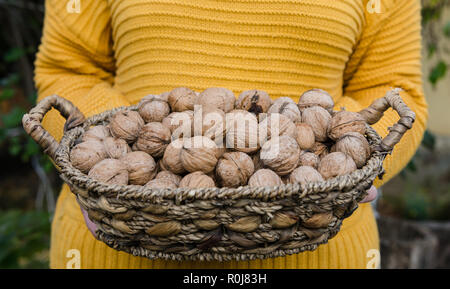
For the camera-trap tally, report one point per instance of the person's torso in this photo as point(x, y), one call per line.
point(284, 47)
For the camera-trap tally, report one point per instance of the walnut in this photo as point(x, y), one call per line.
point(181, 124)
point(126, 125)
point(197, 180)
point(110, 171)
point(242, 131)
point(153, 139)
point(287, 107)
point(319, 149)
point(165, 96)
point(169, 175)
point(308, 159)
point(316, 97)
point(212, 124)
point(161, 183)
point(281, 154)
point(354, 145)
point(346, 121)
point(141, 167)
point(172, 157)
point(181, 99)
point(256, 101)
point(336, 164)
point(318, 118)
point(85, 155)
point(199, 153)
point(153, 109)
point(276, 124)
point(115, 147)
point(305, 135)
point(264, 178)
point(304, 175)
point(234, 169)
point(96, 133)
point(216, 97)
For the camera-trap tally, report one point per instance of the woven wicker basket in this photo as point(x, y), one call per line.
point(214, 223)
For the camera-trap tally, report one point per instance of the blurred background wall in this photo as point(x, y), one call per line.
point(413, 211)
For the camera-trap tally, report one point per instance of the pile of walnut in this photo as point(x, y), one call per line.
point(165, 144)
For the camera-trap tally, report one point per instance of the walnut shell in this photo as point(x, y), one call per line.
point(181, 99)
point(264, 178)
point(318, 118)
point(110, 171)
point(336, 164)
point(276, 124)
point(305, 135)
point(354, 145)
point(141, 167)
point(287, 107)
point(181, 124)
point(343, 122)
point(126, 125)
point(319, 149)
point(213, 124)
point(308, 159)
point(197, 180)
point(216, 97)
point(96, 133)
point(153, 139)
point(161, 183)
point(199, 153)
point(169, 175)
point(153, 109)
point(172, 157)
point(255, 101)
point(234, 169)
point(316, 97)
point(85, 155)
point(281, 154)
point(242, 131)
point(304, 175)
point(115, 147)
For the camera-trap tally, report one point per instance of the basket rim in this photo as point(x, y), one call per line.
point(373, 168)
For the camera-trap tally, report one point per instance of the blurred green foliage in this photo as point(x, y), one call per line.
point(24, 239)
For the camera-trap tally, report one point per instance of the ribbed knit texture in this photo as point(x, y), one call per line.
point(115, 52)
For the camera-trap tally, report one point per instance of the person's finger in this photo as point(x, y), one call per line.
point(371, 195)
point(92, 227)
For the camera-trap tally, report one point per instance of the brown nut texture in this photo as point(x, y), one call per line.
point(234, 169)
point(216, 98)
point(287, 107)
point(181, 124)
point(86, 154)
point(281, 154)
point(318, 118)
point(354, 145)
point(169, 175)
point(116, 148)
point(304, 135)
point(153, 108)
point(336, 164)
point(343, 122)
point(275, 125)
point(316, 97)
point(305, 175)
point(96, 133)
point(126, 125)
point(199, 153)
point(110, 171)
point(264, 178)
point(141, 167)
point(197, 180)
point(181, 99)
point(255, 101)
point(242, 131)
point(172, 157)
point(153, 139)
point(308, 159)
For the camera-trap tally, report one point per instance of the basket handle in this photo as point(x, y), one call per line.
point(375, 112)
point(32, 121)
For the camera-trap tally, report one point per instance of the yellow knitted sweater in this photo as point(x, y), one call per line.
point(115, 52)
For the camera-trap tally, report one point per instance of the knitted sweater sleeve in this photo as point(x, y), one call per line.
point(389, 55)
point(75, 60)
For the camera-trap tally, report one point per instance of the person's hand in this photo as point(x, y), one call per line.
point(371, 195)
point(91, 226)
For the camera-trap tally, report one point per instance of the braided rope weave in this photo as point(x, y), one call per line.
point(196, 224)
